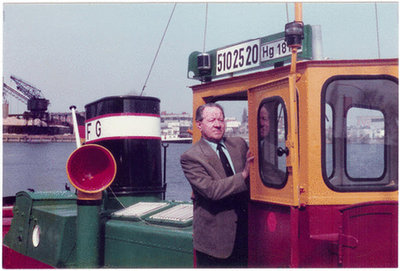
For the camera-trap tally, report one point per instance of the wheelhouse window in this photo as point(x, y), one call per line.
point(272, 134)
point(360, 133)
point(365, 143)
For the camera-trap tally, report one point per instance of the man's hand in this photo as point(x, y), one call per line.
point(249, 159)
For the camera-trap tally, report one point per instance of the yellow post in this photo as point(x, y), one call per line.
point(298, 18)
point(292, 141)
point(298, 9)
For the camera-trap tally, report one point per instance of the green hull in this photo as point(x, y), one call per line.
point(143, 240)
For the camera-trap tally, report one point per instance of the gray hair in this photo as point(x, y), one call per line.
point(200, 109)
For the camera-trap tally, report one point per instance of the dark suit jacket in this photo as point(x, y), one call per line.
point(220, 202)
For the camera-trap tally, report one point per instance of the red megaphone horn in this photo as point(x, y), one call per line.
point(91, 168)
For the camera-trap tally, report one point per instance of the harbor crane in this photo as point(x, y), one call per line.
point(30, 95)
point(37, 109)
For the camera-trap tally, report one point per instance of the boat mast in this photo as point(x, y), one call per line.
point(294, 34)
point(298, 21)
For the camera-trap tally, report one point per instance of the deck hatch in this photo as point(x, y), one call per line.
point(140, 209)
point(181, 214)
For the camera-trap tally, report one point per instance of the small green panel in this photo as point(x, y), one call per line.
point(53, 214)
point(57, 225)
point(137, 244)
point(17, 236)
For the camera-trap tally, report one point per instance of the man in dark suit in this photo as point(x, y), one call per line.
point(220, 194)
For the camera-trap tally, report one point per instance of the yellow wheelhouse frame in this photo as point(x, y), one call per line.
point(305, 184)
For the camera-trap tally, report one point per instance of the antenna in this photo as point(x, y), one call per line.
point(204, 59)
point(205, 29)
point(287, 13)
point(159, 46)
point(377, 30)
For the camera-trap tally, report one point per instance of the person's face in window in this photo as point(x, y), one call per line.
point(264, 122)
point(212, 126)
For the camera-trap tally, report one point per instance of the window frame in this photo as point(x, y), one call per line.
point(327, 179)
point(323, 134)
point(278, 100)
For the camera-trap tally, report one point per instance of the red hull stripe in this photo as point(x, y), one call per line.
point(126, 137)
point(122, 114)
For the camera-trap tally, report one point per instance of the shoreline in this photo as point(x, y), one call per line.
point(25, 138)
point(69, 138)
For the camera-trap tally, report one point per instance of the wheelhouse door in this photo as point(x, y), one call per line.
point(273, 139)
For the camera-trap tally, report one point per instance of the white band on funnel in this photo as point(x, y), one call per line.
point(123, 126)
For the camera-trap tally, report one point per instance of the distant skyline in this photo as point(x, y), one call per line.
point(77, 53)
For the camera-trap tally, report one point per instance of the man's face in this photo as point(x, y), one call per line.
point(264, 122)
point(212, 126)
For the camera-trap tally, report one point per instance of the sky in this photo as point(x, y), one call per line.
point(76, 53)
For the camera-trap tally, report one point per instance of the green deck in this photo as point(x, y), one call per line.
point(125, 242)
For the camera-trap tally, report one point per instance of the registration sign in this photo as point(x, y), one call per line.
point(238, 57)
point(275, 49)
point(250, 55)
